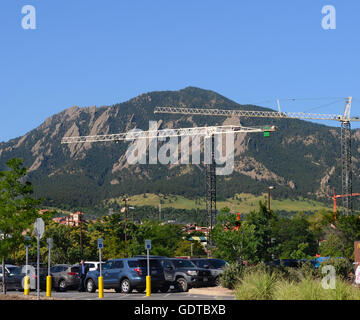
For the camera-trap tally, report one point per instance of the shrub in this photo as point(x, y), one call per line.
point(285, 290)
point(256, 286)
point(310, 289)
point(342, 266)
point(305, 270)
point(232, 275)
point(343, 291)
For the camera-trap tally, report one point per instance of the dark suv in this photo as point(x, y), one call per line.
point(124, 275)
point(216, 267)
point(183, 274)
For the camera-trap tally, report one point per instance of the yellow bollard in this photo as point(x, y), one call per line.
point(148, 286)
point(26, 285)
point(101, 287)
point(48, 286)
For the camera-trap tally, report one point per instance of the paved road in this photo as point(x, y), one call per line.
point(111, 295)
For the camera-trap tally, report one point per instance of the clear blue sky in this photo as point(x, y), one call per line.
point(88, 52)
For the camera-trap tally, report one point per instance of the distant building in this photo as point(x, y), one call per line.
point(73, 219)
point(189, 228)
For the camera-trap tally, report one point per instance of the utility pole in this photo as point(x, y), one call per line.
point(160, 210)
point(81, 242)
point(125, 225)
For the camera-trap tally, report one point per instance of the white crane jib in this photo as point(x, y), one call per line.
point(164, 133)
point(261, 114)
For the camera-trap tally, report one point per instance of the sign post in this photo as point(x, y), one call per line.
point(39, 228)
point(148, 277)
point(100, 280)
point(26, 278)
point(48, 278)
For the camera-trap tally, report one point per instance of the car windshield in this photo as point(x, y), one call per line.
point(14, 270)
point(202, 263)
point(217, 264)
point(183, 263)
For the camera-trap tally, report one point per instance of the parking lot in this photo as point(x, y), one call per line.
point(193, 294)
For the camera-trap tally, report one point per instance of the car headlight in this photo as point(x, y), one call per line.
point(191, 273)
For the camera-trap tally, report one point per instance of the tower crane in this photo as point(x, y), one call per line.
point(336, 196)
point(344, 119)
point(206, 132)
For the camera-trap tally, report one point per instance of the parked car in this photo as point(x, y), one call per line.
point(14, 277)
point(93, 265)
point(32, 273)
point(216, 267)
point(184, 274)
point(124, 275)
point(65, 276)
point(8, 269)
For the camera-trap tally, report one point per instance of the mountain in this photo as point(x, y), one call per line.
point(300, 159)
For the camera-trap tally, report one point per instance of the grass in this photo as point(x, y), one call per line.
point(264, 286)
point(256, 286)
point(239, 203)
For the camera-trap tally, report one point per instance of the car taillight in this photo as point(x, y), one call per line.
point(72, 273)
point(139, 271)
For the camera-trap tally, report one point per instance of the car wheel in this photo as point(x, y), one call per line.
point(90, 286)
point(125, 286)
point(182, 285)
point(62, 285)
point(217, 281)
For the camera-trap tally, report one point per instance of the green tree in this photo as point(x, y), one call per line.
point(292, 238)
point(184, 249)
point(233, 245)
point(17, 209)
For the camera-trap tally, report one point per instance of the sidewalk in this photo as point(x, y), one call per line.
point(212, 291)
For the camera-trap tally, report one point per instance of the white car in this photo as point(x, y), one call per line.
point(93, 265)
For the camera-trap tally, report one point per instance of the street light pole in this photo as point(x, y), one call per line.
point(269, 188)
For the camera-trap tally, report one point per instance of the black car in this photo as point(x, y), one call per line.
point(184, 274)
point(216, 267)
point(14, 278)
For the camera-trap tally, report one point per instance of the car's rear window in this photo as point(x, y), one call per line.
point(75, 269)
point(143, 263)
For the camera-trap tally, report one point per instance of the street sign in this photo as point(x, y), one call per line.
point(49, 242)
point(27, 241)
point(148, 244)
point(100, 243)
point(39, 227)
